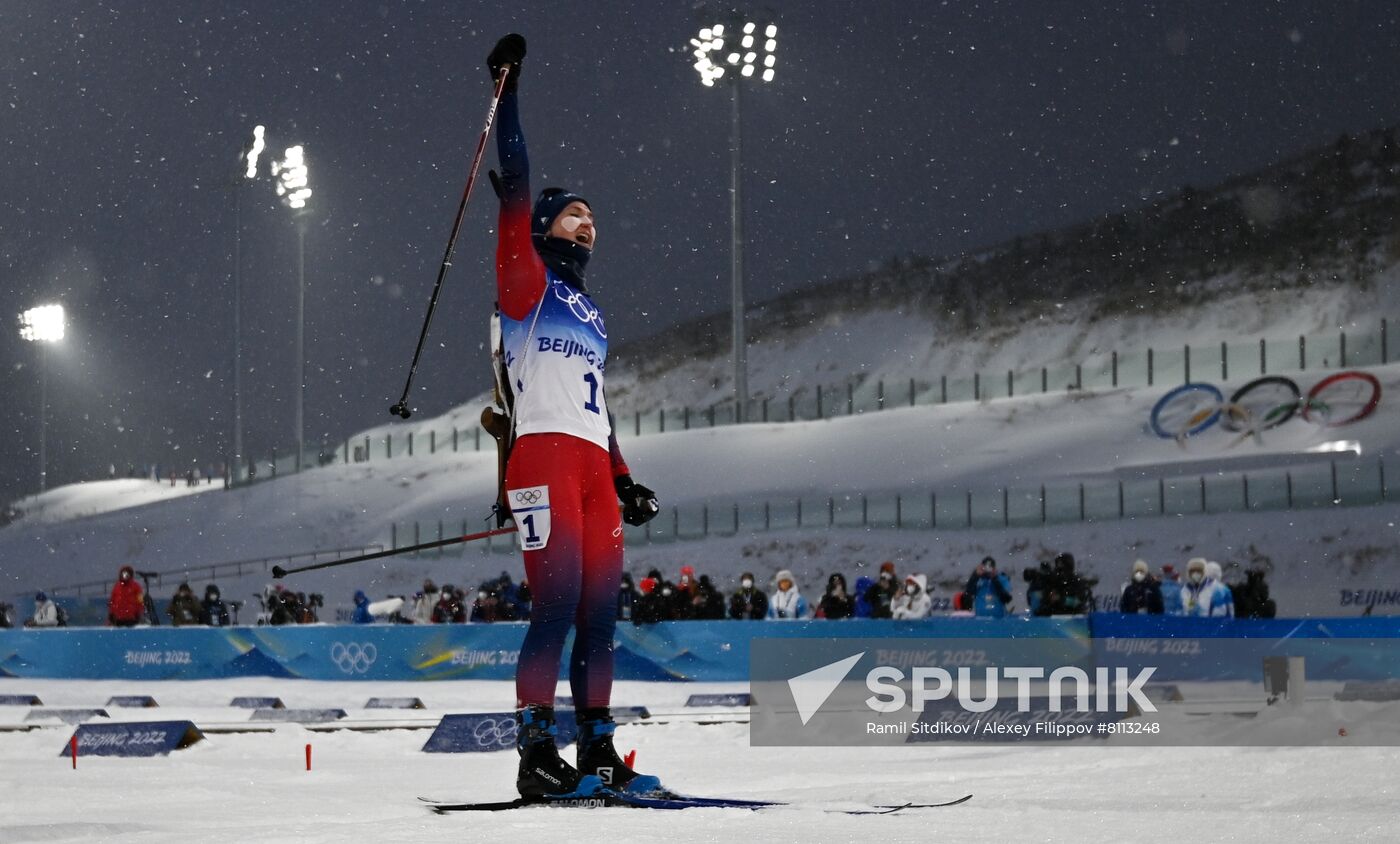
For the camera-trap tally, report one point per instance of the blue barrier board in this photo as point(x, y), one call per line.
point(486, 732)
point(143, 738)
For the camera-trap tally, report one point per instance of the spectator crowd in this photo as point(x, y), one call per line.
point(1052, 588)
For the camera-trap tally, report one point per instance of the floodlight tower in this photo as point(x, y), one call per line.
point(731, 50)
point(248, 164)
point(43, 325)
point(293, 186)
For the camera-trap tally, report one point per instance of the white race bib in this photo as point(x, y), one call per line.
point(530, 507)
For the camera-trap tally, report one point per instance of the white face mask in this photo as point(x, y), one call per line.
point(911, 589)
point(746, 583)
point(1196, 577)
point(1139, 576)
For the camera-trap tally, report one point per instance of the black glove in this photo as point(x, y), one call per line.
point(638, 503)
point(508, 52)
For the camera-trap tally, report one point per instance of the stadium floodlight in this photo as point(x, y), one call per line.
point(44, 325)
point(254, 152)
point(743, 49)
point(735, 44)
point(293, 185)
point(292, 178)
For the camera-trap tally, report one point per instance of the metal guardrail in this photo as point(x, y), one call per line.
point(1149, 367)
point(1329, 482)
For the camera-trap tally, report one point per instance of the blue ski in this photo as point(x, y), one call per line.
point(667, 801)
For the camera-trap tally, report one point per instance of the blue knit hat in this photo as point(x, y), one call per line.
point(551, 203)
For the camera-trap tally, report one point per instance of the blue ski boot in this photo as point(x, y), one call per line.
point(543, 775)
point(598, 757)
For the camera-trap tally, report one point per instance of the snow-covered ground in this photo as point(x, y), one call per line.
point(365, 785)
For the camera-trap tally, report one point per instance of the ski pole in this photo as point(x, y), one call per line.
point(279, 572)
point(401, 408)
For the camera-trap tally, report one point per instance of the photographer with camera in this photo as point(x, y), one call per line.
point(1056, 589)
point(988, 591)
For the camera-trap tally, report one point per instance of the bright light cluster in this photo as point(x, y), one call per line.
point(744, 50)
point(42, 324)
point(255, 151)
point(291, 176)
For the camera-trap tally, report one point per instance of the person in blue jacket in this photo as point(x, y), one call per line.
point(863, 608)
point(362, 614)
point(988, 590)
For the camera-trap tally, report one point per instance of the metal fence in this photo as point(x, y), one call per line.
point(1320, 484)
point(1154, 366)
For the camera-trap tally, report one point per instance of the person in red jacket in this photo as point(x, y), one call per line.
point(127, 605)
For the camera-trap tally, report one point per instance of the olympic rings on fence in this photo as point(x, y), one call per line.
point(1264, 403)
point(353, 658)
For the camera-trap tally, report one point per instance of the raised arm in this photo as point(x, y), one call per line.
point(520, 274)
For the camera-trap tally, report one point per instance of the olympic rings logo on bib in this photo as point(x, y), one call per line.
point(580, 307)
point(529, 506)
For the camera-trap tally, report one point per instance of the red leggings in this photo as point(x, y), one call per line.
point(574, 578)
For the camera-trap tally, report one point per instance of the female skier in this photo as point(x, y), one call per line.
point(565, 474)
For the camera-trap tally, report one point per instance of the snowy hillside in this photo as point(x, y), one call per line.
point(949, 449)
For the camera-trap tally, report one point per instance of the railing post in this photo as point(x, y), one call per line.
point(976, 386)
point(432, 442)
point(1203, 493)
point(1224, 361)
point(1115, 367)
point(767, 516)
point(661, 419)
point(454, 437)
point(637, 423)
point(880, 394)
point(820, 414)
point(1044, 379)
point(1005, 507)
point(850, 399)
point(1245, 479)
point(1302, 351)
point(1186, 357)
point(1149, 366)
point(1161, 496)
point(1010, 384)
point(1344, 350)
point(1263, 357)
point(1336, 498)
point(410, 443)
point(899, 509)
point(1078, 376)
point(943, 388)
point(933, 510)
point(1122, 509)
point(1082, 511)
point(1042, 504)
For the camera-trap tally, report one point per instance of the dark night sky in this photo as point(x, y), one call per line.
point(893, 128)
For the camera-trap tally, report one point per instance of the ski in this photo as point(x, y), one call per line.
point(608, 799)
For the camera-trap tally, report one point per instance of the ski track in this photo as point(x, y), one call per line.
point(255, 787)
